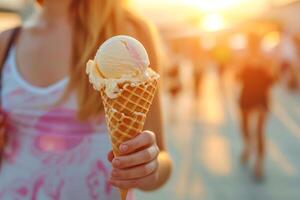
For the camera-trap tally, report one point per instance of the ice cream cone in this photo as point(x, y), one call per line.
point(134, 98)
point(126, 114)
point(123, 194)
point(121, 72)
point(122, 127)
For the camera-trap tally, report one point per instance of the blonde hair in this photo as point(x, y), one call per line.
point(95, 21)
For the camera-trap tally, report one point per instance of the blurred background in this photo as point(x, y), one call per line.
point(204, 43)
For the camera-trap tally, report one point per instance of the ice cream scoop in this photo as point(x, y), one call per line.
point(120, 59)
point(122, 56)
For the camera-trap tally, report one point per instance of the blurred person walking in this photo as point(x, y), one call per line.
point(256, 78)
point(289, 59)
point(52, 125)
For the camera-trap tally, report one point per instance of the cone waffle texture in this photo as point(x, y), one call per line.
point(126, 114)
point(122, 127)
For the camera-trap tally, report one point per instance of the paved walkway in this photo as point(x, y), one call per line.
point(203, 139)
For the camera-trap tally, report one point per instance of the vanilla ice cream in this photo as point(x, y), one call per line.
point(120, 59)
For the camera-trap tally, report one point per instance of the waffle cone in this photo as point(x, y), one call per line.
point(133, 98)
point(122, 127)
point(125, 115)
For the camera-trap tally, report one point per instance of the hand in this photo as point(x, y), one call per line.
point(137, 166)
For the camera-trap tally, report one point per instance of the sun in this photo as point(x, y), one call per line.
point(213, 22)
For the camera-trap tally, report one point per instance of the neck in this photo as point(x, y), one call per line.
point(55, 11)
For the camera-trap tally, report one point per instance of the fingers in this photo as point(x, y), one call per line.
point(124, 184)
point(134, 183)
point(145, 139)
point(135, 172)
point(137, 158)
point(110, 156)
point(137, 163)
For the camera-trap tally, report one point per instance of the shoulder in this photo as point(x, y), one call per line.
point(4, 36)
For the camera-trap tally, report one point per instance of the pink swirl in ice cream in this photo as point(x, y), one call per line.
point(120, 59)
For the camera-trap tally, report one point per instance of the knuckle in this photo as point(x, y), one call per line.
point(148, 154)
point(149, 136)
point(127, 162)
point(149, 168)
point(157, 150)
point(146, 169)
point(156, 165)
point(126, 175)
point(124, 163)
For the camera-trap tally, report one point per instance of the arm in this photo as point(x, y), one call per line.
point(154, 119)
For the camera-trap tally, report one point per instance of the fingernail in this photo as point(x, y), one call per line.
point(123, 148)
point(116, 162)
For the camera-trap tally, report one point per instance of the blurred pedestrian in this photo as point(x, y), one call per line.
point(256, 78)
point(174, 82)
point(195, 52)
point(289, 60)
point(57, 145)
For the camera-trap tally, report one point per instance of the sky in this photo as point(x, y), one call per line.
point(214, 14)
point(245, 7)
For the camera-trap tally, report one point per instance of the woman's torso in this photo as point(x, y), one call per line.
point(50, 153)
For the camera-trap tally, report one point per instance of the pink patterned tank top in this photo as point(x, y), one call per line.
point(51, 155)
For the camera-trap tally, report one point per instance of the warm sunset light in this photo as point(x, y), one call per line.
point(213, 84)
point(270, 41)
point(207, 5)
point(213, 22)
point(238, 41)
point(213, 5)
point(214, 15)
point(8, 20)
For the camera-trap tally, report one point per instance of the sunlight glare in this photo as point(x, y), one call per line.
point(213, 5)
point(271, 41)
point(213, 22)
point(238, 41)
